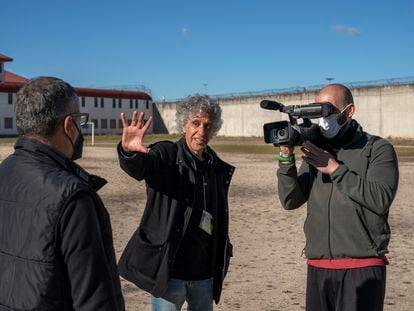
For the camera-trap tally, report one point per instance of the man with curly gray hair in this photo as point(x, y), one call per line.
point(181, 250)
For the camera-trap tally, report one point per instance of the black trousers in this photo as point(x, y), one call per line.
point(359, 289)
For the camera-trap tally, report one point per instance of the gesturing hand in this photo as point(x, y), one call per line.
point(322, 160)
point(133, 134)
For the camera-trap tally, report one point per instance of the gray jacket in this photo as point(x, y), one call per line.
point(347, 213)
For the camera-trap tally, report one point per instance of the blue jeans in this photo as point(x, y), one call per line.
point(198, 294)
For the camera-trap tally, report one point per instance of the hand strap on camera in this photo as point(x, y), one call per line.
point(288, 159)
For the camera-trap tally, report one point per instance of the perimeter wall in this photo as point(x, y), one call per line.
point(385, 110)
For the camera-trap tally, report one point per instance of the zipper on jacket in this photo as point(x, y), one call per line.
point(189, 217)
point(204, 194)
point(329, 223)
point(181, 240)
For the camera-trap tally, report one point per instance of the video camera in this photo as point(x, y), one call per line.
point(291, 133)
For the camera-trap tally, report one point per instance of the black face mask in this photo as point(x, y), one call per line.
point(77, 145)
point(341, 118)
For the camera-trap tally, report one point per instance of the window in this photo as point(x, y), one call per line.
point(136, 103)
point(131, 105)
point(120, 123)
point(104, 123)
point(119, 102)
point(10, 98)
point(147, 104)
point(8, 123)
point(83, 101)
point(96, 102)
point(112, 123)
point(102, 103)
point(95, 122)
point(113, 103)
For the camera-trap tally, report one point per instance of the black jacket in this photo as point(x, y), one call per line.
point(170, 181)
point(56, 249)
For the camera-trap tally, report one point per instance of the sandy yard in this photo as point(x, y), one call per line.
point(267, 271)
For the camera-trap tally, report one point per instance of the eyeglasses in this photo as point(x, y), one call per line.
point(84, 117)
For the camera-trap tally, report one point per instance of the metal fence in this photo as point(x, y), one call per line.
point(312, 88)
point(127, 87)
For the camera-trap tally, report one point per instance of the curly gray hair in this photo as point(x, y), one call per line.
point(195, 104)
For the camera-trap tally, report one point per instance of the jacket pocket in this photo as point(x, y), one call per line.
point(143, 258)
point(376, 229)
point(16, 284)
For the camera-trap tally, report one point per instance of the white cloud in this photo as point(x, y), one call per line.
point(184, 31)
point(346, 30)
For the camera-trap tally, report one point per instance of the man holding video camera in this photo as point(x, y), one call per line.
point(348, 182)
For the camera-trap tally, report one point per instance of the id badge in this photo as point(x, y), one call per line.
point(206, 223)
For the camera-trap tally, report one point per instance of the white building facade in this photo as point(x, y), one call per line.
point(103, 105)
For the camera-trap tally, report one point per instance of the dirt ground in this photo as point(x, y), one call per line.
point(267, 271)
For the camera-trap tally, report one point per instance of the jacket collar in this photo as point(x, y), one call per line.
point(40, 149)
point(184, 157)
point(182, 161)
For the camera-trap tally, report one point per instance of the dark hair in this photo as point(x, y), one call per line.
point(195, 104)
point(348, 98)
point(41, 103)
point(345, 92)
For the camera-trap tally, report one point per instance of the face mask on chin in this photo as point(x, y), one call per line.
point(77, 145)
point(332, 124)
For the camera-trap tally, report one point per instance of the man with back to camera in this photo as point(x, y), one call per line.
point(181, 250)
point(349, 182)
point(56, 249)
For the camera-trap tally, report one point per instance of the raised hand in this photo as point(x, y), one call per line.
point(133, 134)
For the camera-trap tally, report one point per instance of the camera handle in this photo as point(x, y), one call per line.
point(307, 122)
point(292, 120)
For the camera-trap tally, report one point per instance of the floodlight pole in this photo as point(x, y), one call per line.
point(93, 131)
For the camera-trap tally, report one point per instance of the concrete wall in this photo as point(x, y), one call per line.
point(166, 112)
point(381, 110)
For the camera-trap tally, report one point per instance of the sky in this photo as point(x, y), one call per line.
point(178, 48)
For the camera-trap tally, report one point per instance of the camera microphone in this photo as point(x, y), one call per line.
point(271, 105)
point(311, 111)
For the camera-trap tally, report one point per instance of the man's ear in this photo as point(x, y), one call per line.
point(68, 125)
point(351, 110)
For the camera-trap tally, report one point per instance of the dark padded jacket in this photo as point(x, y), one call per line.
point(56, 249)
point(170, 181)
point(347, 212)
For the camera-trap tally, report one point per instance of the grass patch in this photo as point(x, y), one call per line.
point(244, 148)
point(254, 145)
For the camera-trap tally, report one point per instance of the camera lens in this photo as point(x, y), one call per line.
point(282, 134)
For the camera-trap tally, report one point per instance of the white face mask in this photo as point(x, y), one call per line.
point(329, 125)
